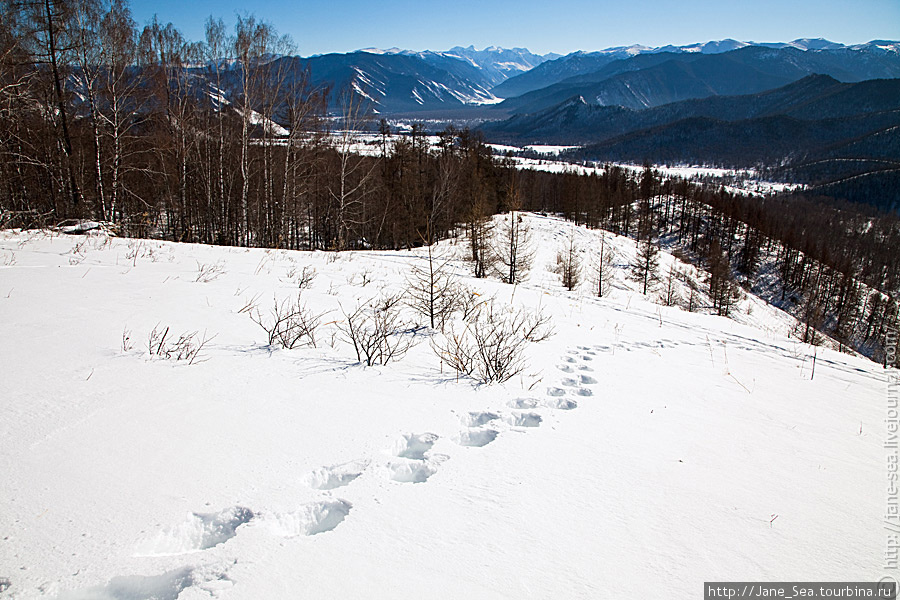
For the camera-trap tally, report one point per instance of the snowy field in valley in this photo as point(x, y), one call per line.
point(643, 448)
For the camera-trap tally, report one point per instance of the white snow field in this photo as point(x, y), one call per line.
point(644, 449)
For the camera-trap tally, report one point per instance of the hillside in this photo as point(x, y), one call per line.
point(638, 435)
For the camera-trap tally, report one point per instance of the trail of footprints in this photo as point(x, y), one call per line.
point(412, 461)
point(577, 362)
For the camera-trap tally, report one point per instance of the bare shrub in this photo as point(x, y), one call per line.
point(186, 347)
point(377, 330)
point(209, 272)
point(249, 305)
point(490, 345)
point(468, 303)
point(290, 323)
point(362, 278)
point(127, 342)
point(135, 251)
point(303, 278)
point(537, 326)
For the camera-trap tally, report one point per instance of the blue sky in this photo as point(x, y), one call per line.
point(547, 26)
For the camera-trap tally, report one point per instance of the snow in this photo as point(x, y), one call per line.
point(642, 444)
point(486, 100)
point(270, 126)
point(739, 181)
point(547, 149)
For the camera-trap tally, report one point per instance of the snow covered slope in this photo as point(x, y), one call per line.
point(643, 447)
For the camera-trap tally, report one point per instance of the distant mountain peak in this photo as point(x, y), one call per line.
point(393, 50)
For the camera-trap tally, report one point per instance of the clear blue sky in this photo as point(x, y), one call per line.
point(546, 26)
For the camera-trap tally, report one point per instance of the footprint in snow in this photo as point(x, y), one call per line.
point(411, 465)
point(564, 368)
point(570, 382)
point(199, 531)
point(414, 446)
point(556, 392)
point(335, 476)
point(477, 419)
point(587, 380)
point(310, 519)
point(476, 438)
point(411, 470)
point(166, 586)
point(569, 359)
point(523, 419)
point(522, 403)
point(584, 392)
point(584, 368)
point(562, 404)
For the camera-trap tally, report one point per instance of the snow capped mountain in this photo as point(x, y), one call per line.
point(497, 64)
point(395, 80)
point(877, 59)
point(500, 64)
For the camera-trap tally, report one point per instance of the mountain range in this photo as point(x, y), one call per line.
point(516, 80)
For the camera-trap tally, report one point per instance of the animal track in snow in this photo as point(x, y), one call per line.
point(200, 531)
point(570, 382)
point(335, 476)
point(411, 470)
point(584, 368)
point(562, 404)
point(527, 419)
point(564, 368)
point(521, 403)
point(477, 437)
point(584, 392)
point(569, 359)
point(587, 380)
point(477, 419)
point(166, 586)
point(587, 357)
point(309, 519)
point(555, 392)
point(415, 446)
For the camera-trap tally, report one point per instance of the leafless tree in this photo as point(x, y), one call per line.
point(568, 263)
point(672, 277)
point(480, 226)
point(604, 266)
point(512, 243)
point(354, 174)
point(433, 289)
